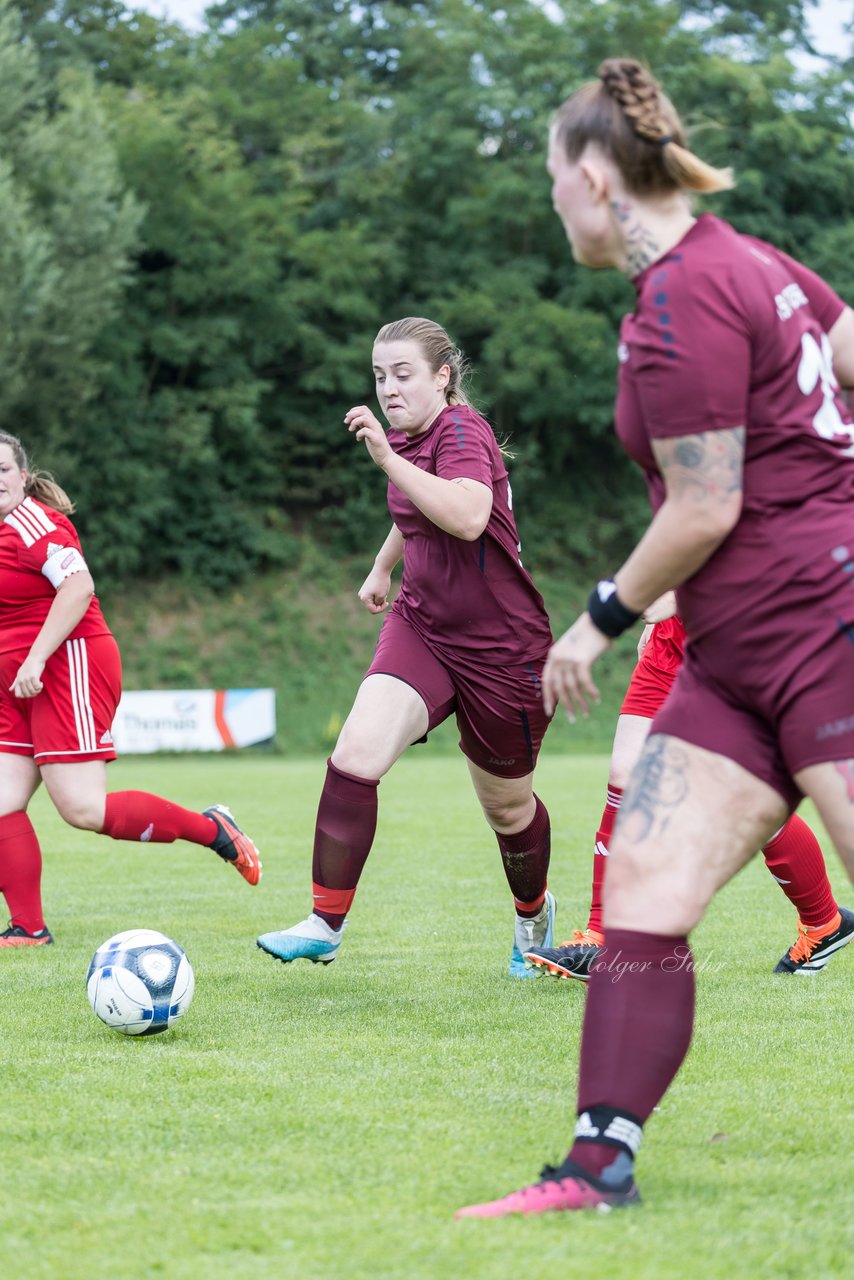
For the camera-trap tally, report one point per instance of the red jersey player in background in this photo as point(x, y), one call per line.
point(727, 398)
point(467, 634)
point(792, 855)
point(60, 683)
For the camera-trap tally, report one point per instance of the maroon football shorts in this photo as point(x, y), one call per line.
point(773, 694)
point(499, 710)
point(70, 720)
point(655, 673)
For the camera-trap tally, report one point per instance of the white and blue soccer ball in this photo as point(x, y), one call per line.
point(140, 982)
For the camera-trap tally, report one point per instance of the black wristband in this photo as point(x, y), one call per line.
point(607, 611)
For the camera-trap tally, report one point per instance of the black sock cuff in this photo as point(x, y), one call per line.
point(609, 1128)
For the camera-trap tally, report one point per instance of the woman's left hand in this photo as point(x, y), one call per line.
point(368, 428)
point(27, 682)
point(566, 676)
point(661, 609)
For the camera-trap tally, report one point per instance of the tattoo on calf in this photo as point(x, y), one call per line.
point(707, 466)
point(659, 784)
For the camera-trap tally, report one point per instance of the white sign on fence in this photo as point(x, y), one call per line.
point(193, 719)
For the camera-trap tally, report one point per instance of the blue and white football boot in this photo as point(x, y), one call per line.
point(533, 931)
point(312, 939)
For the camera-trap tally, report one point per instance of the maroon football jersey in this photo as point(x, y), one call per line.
point(730, 332)
point(473, 597)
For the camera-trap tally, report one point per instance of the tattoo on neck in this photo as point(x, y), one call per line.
point(641, 246)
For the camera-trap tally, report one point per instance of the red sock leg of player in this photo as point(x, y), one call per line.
point(21, 871)
point(136, 815)
point(794, 858)
point(525, 855)
point(637, 1028)
point(346, 824)
point(600, 856)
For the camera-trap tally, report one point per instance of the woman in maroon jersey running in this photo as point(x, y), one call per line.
point(60, 683)
point(467, 634)
point(727, 399)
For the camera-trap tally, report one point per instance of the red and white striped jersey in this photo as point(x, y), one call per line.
point(39, 549)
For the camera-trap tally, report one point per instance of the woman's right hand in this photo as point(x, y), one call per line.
point(367, 427)
point(373, 592)
point(28, 681)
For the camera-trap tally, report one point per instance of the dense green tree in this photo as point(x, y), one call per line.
point(69, 226)
point(308, 171)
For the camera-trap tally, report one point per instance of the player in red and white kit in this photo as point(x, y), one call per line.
point(792, 855)
point(467, 634)
point(727, 399)
point(60, 683)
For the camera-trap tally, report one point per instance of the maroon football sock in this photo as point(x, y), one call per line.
point(637, 1029)
point(136, 815)
point(346, 824)
point(21, 871)
point(794, 858)
point(600, 856)
point(525, 855)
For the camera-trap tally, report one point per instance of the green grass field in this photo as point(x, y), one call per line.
point(308, 1123)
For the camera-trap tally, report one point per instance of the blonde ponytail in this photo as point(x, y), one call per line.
point(42, 486)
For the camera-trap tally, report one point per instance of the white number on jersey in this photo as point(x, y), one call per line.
point(816, 368)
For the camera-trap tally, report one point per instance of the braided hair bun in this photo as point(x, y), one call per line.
point(627, 115)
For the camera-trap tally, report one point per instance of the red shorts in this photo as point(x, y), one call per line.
point(655, 673)
point(69, 721)
point(500, 713)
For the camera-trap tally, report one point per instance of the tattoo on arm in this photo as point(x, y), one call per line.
point(658, 785)
point(703, 468)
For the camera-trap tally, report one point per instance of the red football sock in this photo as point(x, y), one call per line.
point(600, 856)
point(136, 815)
point(637, 1029)
point(21, 871)
point(346, 824)
point(794, 858)
point(525, 855)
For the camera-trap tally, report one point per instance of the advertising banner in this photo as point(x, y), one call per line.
point(193, 719)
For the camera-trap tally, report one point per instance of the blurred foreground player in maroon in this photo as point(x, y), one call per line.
point(60, 684)
point(467, 635)
point(792, 855)
point(727, 398)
